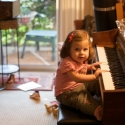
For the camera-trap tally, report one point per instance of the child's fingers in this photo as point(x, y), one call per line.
point(97, 63)
point(105, 70)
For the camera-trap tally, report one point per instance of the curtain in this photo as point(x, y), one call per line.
point(67, 12)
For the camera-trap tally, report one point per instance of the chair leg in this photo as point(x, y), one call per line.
point(37, 45)
point(53, 49)
point(24, 45)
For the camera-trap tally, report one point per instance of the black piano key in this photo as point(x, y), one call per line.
point(119, 87)
point(117, 73)
point(117, 68)
point(118, 81)
point(119, 84)
point(114, 63)
point(118, 78)
point(112, 59)
point(115, 78)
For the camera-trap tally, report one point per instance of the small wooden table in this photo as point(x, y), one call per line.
point(41, 35)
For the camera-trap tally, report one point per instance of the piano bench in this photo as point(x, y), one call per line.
point(71, 116)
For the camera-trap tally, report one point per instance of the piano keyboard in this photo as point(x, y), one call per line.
point(114, 77)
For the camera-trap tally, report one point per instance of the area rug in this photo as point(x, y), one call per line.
point(45, 79)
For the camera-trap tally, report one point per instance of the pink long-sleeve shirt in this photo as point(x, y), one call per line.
point(63, 82)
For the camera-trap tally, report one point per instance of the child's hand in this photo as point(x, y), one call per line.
point(95, 65)
point(98, 72)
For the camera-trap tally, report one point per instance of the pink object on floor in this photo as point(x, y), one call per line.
point(54, 102)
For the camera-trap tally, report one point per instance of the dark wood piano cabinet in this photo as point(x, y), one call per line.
point(113, 101)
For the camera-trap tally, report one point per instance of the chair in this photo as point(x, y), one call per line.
point(71, 116)
point(78, 24)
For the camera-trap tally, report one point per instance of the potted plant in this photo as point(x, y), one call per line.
point(24, 15)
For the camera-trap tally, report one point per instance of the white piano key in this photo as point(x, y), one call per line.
point(106, 76)
point(104, 67)
point(101, 54)
point(108, 82)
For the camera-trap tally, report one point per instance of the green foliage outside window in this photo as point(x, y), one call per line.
point(44, 19)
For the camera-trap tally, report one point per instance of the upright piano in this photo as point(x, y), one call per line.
point(110, 50)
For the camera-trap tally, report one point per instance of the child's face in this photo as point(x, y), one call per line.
point(79, 51)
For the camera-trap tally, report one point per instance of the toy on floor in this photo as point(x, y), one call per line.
point(11, 79)
point(52, 108)
point(35, 95)
point(55, 111)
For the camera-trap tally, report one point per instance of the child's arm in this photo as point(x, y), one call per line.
point(93, 66)
point(75, 76)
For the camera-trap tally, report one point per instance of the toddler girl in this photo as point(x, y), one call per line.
point(73, 86)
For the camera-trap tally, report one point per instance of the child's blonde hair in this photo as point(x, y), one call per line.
point(76, 36)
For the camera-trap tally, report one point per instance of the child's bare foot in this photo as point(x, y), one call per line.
point(98, 113)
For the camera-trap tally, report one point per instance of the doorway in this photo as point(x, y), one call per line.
point(35, 15)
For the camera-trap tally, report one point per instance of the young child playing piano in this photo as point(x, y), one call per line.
point(73, 86)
